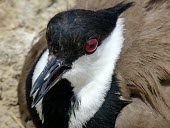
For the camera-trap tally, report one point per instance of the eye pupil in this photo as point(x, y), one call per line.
point(91, 45)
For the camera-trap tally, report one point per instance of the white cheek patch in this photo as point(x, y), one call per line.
point(91, 76)
point(38, 69)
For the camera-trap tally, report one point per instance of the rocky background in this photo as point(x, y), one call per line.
point(20, 23)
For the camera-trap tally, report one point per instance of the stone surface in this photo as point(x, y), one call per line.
point(20, 22)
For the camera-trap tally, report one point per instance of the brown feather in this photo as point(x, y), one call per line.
point(30, 60)
point(144, 67)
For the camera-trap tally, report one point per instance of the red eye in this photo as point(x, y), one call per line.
point(91, 45)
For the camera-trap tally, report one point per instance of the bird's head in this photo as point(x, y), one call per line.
point(82, 45)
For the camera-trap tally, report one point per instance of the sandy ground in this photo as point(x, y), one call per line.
point(20, 22)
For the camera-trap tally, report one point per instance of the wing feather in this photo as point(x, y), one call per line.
point(144, 66)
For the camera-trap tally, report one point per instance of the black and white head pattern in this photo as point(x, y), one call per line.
point(92, 66)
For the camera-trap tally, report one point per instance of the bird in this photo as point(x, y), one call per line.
point(84, 74)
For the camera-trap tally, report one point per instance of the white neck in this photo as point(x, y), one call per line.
point(91, 76)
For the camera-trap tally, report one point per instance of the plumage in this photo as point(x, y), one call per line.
point(144, 66)
point(142, 70)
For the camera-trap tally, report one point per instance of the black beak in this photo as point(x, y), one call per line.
point(50, 75)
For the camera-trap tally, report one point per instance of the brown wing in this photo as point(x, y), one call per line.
point(33, 54)
point(144, 66)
